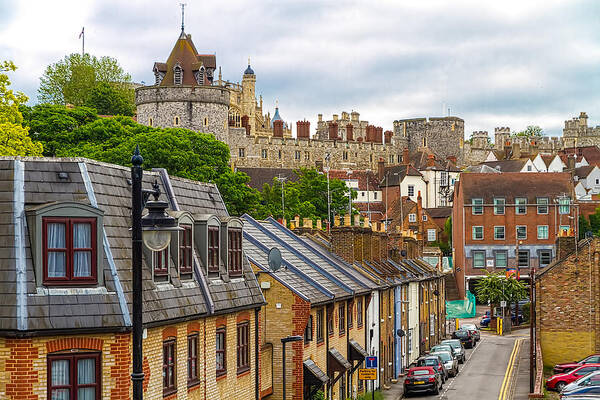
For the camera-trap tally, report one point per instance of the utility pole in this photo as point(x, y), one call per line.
point(327, 157)
point(82, 37)
point(282, 179)
point(349, 172)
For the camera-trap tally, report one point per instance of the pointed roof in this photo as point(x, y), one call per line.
point(276, 116)
point(185, 55)
point(249, 70)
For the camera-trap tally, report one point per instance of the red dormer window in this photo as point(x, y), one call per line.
point(213, 249)
point(235, 251)
point(69, 250)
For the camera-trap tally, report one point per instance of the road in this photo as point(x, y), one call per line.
point(482, 376)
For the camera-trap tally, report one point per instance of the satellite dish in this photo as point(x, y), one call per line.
point(400, 333)
point(274, 259)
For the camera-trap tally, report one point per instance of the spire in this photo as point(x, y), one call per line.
point(182, 15)
point(249, 70)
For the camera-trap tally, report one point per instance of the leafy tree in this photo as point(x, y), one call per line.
point(584, 226)
point(595, 221)
point(73, 79)
point(14, 138)
point(306, 197)
point(188, 154)
point(496, 287)
point(107, 99)
point(532, 131)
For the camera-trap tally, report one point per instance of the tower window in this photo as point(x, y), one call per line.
point(177, 74)
point(205, 121)
point(424, 142)
point(150, 122)
point(200, 76)
point(242, 152)
point(263, 153)
point(176, 121)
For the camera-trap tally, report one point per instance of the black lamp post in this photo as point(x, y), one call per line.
point(155, 232)
point(285, 340)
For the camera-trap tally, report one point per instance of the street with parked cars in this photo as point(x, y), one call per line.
point(577, 380)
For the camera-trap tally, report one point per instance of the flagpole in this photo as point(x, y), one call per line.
point(82, 36)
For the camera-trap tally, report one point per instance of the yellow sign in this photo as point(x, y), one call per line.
point(367, 374)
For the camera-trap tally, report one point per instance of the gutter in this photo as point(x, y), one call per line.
point(19, 232)
point(164, 177)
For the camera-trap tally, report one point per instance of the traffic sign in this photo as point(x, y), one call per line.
point(371, 362)
point(368, 374)
point(503, 303)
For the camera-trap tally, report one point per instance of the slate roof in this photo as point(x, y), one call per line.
point(507, 165)
point(360, 175)
point(184, 52)
point(583, 172)
point(395, 174)
point(515, 184)
point(107, 306)
point(260, 176)
point(316, 275)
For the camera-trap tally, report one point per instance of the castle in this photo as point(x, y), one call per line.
point(185, 94)
point(576, 133)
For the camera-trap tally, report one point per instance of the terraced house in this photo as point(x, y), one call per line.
point(66, 284)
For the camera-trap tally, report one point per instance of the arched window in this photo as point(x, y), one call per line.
point(150, 122)
point(177, 74)
point(176, 121)
point(200, 76)
point(205, 121)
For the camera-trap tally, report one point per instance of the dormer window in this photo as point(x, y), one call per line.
point(213, 249)
point(185, 250)
point(200, 76)
point(235, 251)
point(69, 250)
point(177, 74)
point(160, 261)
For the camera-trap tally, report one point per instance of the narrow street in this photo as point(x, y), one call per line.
point(482, 377)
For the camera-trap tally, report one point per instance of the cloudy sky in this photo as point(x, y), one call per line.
point(492, 63)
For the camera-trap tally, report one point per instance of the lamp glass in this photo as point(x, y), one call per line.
point(156, 240)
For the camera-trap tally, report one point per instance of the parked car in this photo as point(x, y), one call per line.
point(473, 329)
point(485, 320)
point(458, 349)
point(422, 379)
point(591, 379)
point(435, 362)
point(450, 362)
point(444, 347)
point(559, 381)
point(465, 337)
point(561, 368)
point(589, 392)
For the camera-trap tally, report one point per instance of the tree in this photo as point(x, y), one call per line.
point(532, 131)
point(198, 156)
point(306, 197)
point(72, 80)
point(14, 138)
point(496, 287)
point(584, 226)
point(109, 100)
point(595, 222)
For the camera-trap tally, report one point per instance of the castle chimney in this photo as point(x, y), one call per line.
point(571, 162)
point(333, 130)
point(379, 134)
point(380, 169)
point(278, 128)
point(431, 160)
point(388, 136)
point(349, 132)
point(405, 156)
point(516, 151)
point(320, 117)
point(452, 159)
point(303, 129)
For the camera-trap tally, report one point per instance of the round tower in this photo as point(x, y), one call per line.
point(248, 98)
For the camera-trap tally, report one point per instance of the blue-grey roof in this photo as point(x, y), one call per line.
point(249, 71)
point(276, 116)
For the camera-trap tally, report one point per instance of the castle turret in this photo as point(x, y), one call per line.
point(248, 97)
point(501, 136)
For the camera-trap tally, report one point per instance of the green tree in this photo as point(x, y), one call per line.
point(532, 131)
point(108, 99)
point(496, 287)
point(306, 197)
point(14, 137)
point(584, 226)
point(595, 221)
point(73, 79)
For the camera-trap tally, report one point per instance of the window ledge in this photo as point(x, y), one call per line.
point(45, 291)
point(222, 375)
point(193, 384)
point(243, 371)
point(167, 393)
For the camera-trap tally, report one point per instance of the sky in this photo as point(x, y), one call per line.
point(492, 63)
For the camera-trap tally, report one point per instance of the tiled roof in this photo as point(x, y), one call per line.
point(507, 165)
point(583, 172)
point(515, 184)
point(359, 175)
point(185, 54)
point(397, 173)
point(591, 154)
point(439, 212)
point(107, 306)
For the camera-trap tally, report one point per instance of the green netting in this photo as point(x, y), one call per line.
point(461, 308)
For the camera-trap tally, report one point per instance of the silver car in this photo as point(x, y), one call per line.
point(459, 350)
point(473, 328)
point(450, 363)
point(591, 379)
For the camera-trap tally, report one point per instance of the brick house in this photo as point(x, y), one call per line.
point(567, 303)
point(66, 280)
point(314, 295)
point(411, 216)
point(505, 218)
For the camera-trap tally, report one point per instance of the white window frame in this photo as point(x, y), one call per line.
point(473, 258)
point(424, 217)
point(499, 202)
point(477, 204)
point(474, 229)
point(431, 235)
point(518, 204)
point(546, 204)
point(517, 232)
point(547, 232)
point(503, 232)
point(412, 217)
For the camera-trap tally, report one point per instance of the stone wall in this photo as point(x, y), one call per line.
point(444, 136)
point(202, 109)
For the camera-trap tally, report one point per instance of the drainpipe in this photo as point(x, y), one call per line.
point(330, 388)
point(256, 355)
point(380, 340)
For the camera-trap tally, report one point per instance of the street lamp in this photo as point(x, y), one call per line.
point(349, 172)
point(285, 340)
point(154, 230)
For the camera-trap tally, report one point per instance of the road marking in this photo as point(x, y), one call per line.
point(509, 368)
point(465, 365)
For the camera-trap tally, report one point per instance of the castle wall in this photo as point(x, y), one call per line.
point(203, 109)
point(442, 135)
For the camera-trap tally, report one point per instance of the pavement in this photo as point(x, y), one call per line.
point(496, 369)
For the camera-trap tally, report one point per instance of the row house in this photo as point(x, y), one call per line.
point(408, 215)
point(369, 198)
point(317, 296)
point(65, 322)
point(509, 221)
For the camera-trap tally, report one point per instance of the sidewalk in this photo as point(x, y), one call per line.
point(520, 389)
point(396, 391)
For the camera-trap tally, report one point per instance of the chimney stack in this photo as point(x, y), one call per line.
point(405, 156)
point(303, 129)
point(380, 169)
point(278, 128)
point(333, 130)
point(452, 159)
point(388, 136)
point(431, 160)
point(349, 132)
